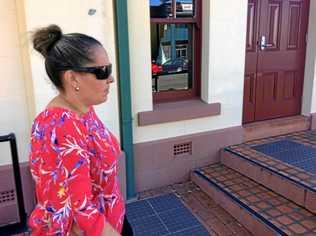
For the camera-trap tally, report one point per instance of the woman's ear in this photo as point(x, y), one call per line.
point(71, 79)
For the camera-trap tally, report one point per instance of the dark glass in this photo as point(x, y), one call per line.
point(172, 54)
point(185, 8)
point(160, 8)
point(101, 72)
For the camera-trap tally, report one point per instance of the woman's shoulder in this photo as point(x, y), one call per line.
point(58, 117)
point(59, 121)
point(55, 113)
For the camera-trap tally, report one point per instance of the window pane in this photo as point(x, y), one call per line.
point(160, 8)
point(171, 50)
point(185, 8)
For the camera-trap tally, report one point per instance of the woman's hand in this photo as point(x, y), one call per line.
point(108, 230)
point(75, 231)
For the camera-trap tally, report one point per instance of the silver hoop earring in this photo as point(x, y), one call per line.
point(77, 89)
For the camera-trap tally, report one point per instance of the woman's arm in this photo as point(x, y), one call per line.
point(75, 180)
point(108, 230)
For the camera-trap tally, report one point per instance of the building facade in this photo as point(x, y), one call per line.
point(171, 131)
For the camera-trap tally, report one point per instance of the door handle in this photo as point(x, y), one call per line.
point(264, 44)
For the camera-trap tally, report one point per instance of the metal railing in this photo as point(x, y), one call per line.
point(18, 185)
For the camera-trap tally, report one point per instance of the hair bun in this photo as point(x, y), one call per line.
point(45, 38)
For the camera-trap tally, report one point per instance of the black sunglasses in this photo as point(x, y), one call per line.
point(100, 72)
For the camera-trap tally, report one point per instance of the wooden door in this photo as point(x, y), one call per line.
point(275, 58)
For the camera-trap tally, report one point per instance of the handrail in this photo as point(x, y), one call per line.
point(18, 185)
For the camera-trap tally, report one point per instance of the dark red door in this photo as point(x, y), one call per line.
point(275, 58)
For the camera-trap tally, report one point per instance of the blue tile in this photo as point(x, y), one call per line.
point(165, 202)
point(278, 146)
point(178, 219)
point(309, 165)
point(196, 231)
point(151, 226)
point(138, 209)
point(290, 152)
point(164, 215)
point(295, 155)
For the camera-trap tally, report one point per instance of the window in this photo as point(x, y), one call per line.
point(175, 49)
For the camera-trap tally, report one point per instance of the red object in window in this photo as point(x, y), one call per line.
point(155, 69)
point(188, 13)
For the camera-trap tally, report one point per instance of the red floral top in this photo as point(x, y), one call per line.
point(73, 161)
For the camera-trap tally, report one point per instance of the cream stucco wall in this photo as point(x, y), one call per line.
point(224, 35)
point(72, 16)
point(14, 113)
point(25, 88)
point(309, 92)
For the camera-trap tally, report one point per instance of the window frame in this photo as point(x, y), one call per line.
point(196, 22)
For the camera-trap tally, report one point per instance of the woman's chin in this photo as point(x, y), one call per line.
point(100, 101)
point(104, 98)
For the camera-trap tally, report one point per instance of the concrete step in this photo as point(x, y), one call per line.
point(274, 127)
point(296, 184)
point(262, 211)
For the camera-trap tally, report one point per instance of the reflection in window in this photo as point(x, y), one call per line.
point(165, 9)
point(175, 49)
point(185, 8)
point(171, 47)
point(160, 9)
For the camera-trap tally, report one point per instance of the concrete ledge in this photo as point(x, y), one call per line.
point(275, 127)
point(177, 111)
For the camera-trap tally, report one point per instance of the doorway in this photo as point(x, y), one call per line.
point(275, 58)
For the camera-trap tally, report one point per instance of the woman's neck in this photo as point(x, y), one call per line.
point(71, 103)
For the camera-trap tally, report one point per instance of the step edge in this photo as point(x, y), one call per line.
point(249, 134)
point(270, 170)
point(240, 203)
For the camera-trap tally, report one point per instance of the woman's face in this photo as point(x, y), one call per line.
point(91, 90)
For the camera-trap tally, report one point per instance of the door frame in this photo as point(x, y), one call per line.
point(309, 66)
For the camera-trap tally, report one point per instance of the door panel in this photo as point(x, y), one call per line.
point(277, 68)
point(251, 61)
point(273, 24)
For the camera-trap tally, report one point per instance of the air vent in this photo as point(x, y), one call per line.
point(7, 196)
point(182, 149)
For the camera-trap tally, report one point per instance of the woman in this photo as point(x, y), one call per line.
point(73, 156)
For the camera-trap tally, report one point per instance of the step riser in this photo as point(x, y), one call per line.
point(273, 181)
point(253, 224)
point(275, 127)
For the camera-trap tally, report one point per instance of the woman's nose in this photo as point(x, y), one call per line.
point(110, 79)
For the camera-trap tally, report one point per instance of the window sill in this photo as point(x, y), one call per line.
point(178, 111)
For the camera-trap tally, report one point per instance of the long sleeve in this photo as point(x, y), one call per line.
point(77, 183)
point(73, 162)
point(64, 186)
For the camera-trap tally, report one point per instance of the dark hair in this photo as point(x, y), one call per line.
point(63, 50)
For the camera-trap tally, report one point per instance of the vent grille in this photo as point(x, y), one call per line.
point(7, 196)
point(182, 149)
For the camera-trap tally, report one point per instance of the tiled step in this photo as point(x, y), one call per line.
point(274, 127)
point(257, 160)
point(260, 210)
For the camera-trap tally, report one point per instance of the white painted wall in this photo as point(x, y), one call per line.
point(14, 113)
point(309, 92)
point(224, 35)
point(140, 56)
point(72, 16)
